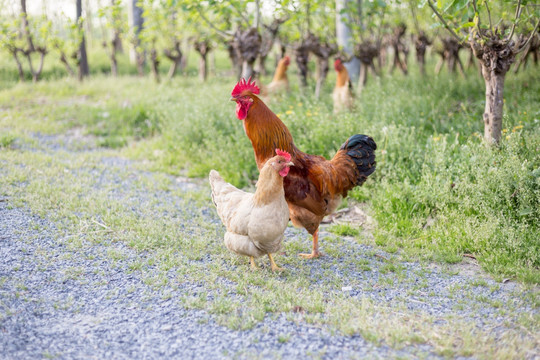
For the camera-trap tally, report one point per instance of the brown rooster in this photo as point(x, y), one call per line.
point(315, 186)
point(342, 95)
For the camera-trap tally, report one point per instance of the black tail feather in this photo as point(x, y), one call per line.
point(361, 148)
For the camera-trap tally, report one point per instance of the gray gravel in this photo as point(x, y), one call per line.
point(77, 303)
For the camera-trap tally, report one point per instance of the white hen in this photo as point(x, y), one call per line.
point(255, 222)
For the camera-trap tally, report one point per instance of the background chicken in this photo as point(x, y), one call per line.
point(280, 82)
point(342, 95)
point(315, 186)
point(255, 222)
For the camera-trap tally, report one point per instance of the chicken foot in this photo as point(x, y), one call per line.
point(315, 253)
point(273, 264)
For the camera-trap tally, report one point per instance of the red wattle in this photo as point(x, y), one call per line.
point(241, 111)
point(284, 171)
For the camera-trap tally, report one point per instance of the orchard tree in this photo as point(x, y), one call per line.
point(244, 42)
point(25, 37)
point(367, 29)
point(67, 44)
point(162, 35)
point(344, 35)
point(82, 58)
point(113, 29)
point(311, 30)
point(419, 36)
point(11, 42)
point(136, 24)
point(496, 35)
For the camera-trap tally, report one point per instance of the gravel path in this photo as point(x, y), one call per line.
point(60, 301)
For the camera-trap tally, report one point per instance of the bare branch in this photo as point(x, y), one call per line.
point(489, 17)
point(444, 22)
point(240, 12)
point(516, 17)
point(257, 14)
point(225, 34)
point(533, 33)
point(415, 17)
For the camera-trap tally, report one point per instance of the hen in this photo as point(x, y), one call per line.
point(280, 82)
point(315, 186)
point(342, 95)
point(255, 222)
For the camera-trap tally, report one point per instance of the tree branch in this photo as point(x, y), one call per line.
point(224, 34)
point(445, 24)
point(257, 14)
point(516, 17)
point(489, 16)
point(533, 33)
point(240, 12)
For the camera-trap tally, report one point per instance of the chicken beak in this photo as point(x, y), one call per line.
point(290, 163)
point(232, 99)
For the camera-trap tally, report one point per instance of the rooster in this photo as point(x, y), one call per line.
point(342, 95)
point(255, 222)
point(315, 186)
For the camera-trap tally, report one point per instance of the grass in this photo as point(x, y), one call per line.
point(438, 192)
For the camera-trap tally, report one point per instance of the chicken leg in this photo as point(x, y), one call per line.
point(253, 263)
point(315, 253)
point(273, 264)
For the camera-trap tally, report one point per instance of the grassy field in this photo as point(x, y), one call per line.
point(438, 192)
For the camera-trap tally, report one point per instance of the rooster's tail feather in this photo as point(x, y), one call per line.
point(361, 148)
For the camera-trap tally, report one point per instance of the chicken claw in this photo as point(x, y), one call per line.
point(273, 264)
point(314, 254)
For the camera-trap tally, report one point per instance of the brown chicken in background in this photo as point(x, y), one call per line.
point(280, 82)
point(315, 186)
point(255, 222)
point(342, 95)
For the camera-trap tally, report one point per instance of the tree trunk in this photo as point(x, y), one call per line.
point(35, 75)
point(203, 48)
point(344, 38)
point(247, 69)
point(136, 22)
point(175, 55)
point(154, 64)
point(64, 60)
point(19, 65)
point(114, 63)
point(203, 68)
point(362, 78)
point(421, 42)
point(26, 26)
point(82, 58)
point(261, 68)
point(496, 56)
point(493, 113)
point(247, 44)
point(302, 58)
point(322, 65)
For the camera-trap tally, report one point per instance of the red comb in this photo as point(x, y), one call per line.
point(285, 154)
point(244, 85)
